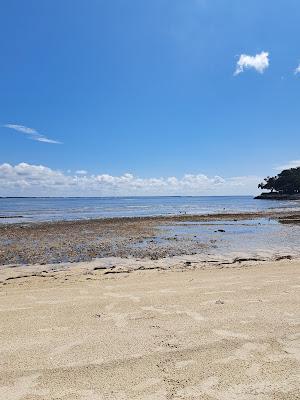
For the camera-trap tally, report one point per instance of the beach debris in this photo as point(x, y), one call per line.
point(100, 267)
point(240, 259)
point(288, 257)
point(116, 272)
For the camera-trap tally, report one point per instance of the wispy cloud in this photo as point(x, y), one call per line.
point(288, 165)
point(32, 133)
point(46, 140)
point(259, 62)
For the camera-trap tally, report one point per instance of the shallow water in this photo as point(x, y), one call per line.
point(52, 209)
point(258, 238)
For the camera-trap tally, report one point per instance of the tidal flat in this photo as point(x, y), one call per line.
point(259, 234)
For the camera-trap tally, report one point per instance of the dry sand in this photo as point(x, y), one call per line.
point(205, 333)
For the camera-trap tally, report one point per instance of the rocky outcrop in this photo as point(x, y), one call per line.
point(278, 196)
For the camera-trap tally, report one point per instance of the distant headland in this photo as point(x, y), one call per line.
point(284, 186)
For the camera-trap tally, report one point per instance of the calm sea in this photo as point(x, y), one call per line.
point(51, 209)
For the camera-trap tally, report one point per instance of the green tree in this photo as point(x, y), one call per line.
point(287, 182)
point(269, 183)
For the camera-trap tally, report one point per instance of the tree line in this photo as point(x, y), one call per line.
point(287, 182)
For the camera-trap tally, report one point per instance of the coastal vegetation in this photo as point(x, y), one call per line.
point(284, 185)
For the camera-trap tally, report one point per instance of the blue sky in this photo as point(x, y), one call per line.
point(148, 88)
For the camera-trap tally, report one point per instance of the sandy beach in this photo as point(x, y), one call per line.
point(180, 331)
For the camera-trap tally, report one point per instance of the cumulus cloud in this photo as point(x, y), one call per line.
point(37, 180)
point(259, 62)
point(32, 133)
point(288, 165)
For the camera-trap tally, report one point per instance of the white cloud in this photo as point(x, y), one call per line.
point(81, 172)
point(37, 180)
point(297, 70)
point(288, 165)
point(21, 128)
point(45, 140)
point(259, 62)
point(32, 133)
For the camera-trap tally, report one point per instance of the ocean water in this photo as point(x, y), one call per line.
point(52, 209)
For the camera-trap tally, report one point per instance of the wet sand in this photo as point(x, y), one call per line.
point(185, 330)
